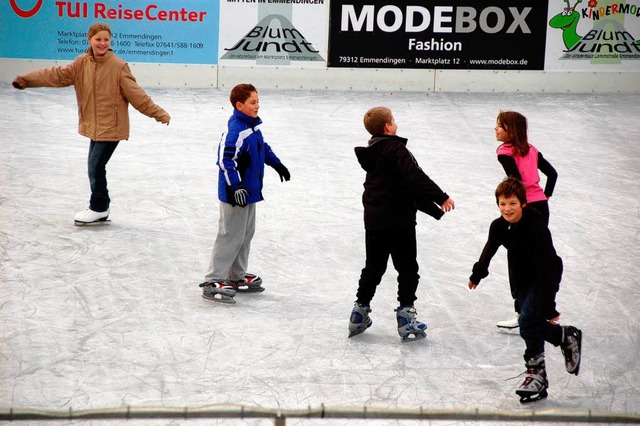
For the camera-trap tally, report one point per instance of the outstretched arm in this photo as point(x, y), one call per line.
point(47, 77)
point(497, 234)
point(139, 99)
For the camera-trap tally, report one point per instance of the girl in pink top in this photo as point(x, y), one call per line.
point(522, 160)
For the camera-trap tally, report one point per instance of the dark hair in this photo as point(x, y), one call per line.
point(376, 118)
point(515, 124)
point(241, 92)
point(511, 187)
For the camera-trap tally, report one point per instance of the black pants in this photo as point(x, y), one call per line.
point(541, 207)
point(99, 155)
point(400, 244)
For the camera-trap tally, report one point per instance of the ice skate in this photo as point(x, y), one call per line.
point(409, 328)
point(218, 291)
point(534, 387)
point(359, 320)
point(251, 283)
point(571, 348)
point(509, 324)
point(89, 216)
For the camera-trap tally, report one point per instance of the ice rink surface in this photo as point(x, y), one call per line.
point(108, 316)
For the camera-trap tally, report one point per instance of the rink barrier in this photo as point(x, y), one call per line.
point(279, 415)
point(224, 77)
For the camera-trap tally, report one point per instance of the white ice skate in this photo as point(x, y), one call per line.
point(89, 216)
point(218, 291)
point(513, 322)
point(509, 324)
point(359, 320)
point(251, 283)
point(534, 387)
point(409, 328)
point(571, 348)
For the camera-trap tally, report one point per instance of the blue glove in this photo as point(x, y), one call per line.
point(240, 195)
point(283, 172)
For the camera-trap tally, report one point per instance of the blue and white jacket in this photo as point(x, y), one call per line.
point(242, 154)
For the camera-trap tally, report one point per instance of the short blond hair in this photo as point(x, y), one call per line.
point(376, 118)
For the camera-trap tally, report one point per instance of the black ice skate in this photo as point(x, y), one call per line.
point(218, 292)
point(534, 387)
point(251, 283)
point(571, 348)
point(359, 320)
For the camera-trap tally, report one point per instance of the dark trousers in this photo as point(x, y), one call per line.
point(534, 327)
point(99, 155)
point(400, 244)
point(541, 207)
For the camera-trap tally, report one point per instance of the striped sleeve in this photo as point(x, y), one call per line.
point(228, 152)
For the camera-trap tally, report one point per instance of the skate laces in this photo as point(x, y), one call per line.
point(516, 377)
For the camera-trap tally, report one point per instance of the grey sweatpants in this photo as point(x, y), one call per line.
point(230, 256)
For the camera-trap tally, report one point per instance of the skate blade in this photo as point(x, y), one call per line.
point(219, 298)
point(507, 327)
point(356, 332)
point(415, 338)
point(96, 223)
point(248, 289)
point(577, 370)
point(527, 398)
point(360, 330)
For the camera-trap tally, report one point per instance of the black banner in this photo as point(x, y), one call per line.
point(445, 34)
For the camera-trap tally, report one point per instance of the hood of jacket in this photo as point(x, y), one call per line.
point(369, 156)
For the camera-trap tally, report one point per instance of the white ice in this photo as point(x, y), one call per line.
point(96, 317)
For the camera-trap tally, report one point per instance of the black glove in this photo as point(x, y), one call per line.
point(283, 172)
point(240, 195)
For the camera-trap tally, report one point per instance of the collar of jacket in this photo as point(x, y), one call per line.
point(98, 60)
point(391, 138)
point(252, 122)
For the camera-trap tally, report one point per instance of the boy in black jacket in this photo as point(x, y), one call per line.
point(394, 189)
point(535, 271)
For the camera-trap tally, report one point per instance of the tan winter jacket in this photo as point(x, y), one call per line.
point(104, 88)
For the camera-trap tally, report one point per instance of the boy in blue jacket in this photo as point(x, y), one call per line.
point(395, 188)
point(242, 154)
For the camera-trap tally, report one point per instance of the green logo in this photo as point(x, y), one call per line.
point(607, 41)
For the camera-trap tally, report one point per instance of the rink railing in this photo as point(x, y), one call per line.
point(279, 416)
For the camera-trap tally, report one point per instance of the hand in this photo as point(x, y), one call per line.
point(471, 285)
point(165, 119)
point(448, 205)
point(283, 172)
point(240, 195)
point(19, 83)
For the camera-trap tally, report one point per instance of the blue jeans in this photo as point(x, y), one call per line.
point(534, 327)
point(99, 155)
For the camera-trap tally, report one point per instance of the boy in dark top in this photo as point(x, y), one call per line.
point(394, 189)
point(535, 271)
